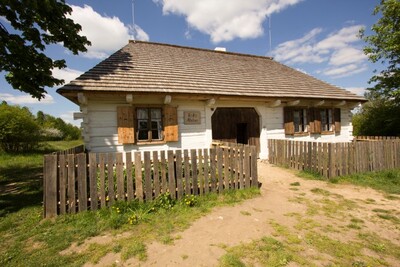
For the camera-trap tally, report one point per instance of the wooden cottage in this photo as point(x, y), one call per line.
point(152, 96)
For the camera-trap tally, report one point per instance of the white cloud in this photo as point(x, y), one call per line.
point(25, 99)
point(107, 34)
point(356, 90)
point(347, 55)
point(225, 22)
point(344, 71)
point(339, 51)
point(66, 74)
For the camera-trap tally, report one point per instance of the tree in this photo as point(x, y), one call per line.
point(19, 130)
point(384, 47)
point(37, 23)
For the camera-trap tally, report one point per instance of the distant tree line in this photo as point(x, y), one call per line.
point(20, 130)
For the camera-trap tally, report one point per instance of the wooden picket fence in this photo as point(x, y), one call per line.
point(369, 138)
point(88, 181)
point(336, 159)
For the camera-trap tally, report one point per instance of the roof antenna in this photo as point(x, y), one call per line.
point(133, 21)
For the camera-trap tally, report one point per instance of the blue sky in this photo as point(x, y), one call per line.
point(314, 36)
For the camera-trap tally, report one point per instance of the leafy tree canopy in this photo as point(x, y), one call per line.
point(37, 23)
point(384, 47)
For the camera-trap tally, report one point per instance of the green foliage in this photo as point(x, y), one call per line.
point(18, 129)
point(37, 24)
point(378, 117)
point(384, 47)
point(21, 131)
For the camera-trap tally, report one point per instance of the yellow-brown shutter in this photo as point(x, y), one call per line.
point(314, 117)
point(337, 119)
point(170, 124)
point(126, 125)
point(288, 120)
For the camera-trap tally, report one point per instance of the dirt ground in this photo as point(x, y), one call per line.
point(285, 200)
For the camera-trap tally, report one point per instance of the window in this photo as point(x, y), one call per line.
point(326, 120)
point(149, 124)
point(302, 121)
point(296, 120)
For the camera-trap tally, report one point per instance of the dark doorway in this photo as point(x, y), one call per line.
point(236, 125)
point(242, 136)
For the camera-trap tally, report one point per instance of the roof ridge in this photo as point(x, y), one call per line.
point(203, 49)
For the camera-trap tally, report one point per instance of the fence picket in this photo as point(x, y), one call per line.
point(129, 176)
point(100, 178)
point(138, 176)
point(93, 181)
point(102, 166)
point(82, 184)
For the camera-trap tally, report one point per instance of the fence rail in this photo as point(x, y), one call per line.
point(79, 182)
point(336, 159)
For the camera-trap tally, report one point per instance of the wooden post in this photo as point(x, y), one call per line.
point(156, 174)
point(247, 165)
point(206, 174)
point(147, 176)
point(110, 177)
point(226, 167)
point(138, 176)
point(62, 173)
point(201, 172)
point(93, 181)
point(213, 169)
point(195, 184)
point(163, 173)
point(71, 184)
point(171, 174)
point(82, 184)
point(220, 161)
point(129, 177)
point(254, 170)
point(102, 163)
point(179, 178)
point(187, 171)
point(50, 190)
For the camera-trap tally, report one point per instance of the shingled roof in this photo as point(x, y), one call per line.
point(144, 67)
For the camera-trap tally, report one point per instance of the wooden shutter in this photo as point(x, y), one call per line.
point(126, 125)
point(314, 116)
point(337, 120)
point(170, 124)
point(288, 120)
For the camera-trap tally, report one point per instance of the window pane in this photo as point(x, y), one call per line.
point(155, 135)
point(143, 135)
point(323, 120)
point(142, 113)
point(305, 121)
point(142, 124)
point(155, 113)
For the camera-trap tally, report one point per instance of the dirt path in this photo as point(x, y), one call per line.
point(285, 200)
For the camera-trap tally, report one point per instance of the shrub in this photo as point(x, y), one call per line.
point(19, 131)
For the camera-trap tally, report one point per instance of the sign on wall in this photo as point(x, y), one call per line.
point(192, 117)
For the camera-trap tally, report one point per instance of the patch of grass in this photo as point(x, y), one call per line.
point(320, 191)
point(386, 181)
point(310, 175)
point(370, 201)
point(134, 249)
point(57, 234)
point(245, 213)
point(264, 252)
point(295, 184)
point(382, 246)
point(184, 256)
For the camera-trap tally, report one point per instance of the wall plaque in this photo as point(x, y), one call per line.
point(192, 117)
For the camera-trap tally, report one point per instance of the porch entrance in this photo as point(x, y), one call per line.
point(236, 125)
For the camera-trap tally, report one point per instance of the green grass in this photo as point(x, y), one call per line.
point(30, 240)
point(386, 181)
point(21, 176)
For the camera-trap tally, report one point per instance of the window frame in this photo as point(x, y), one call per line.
point(150, 129)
